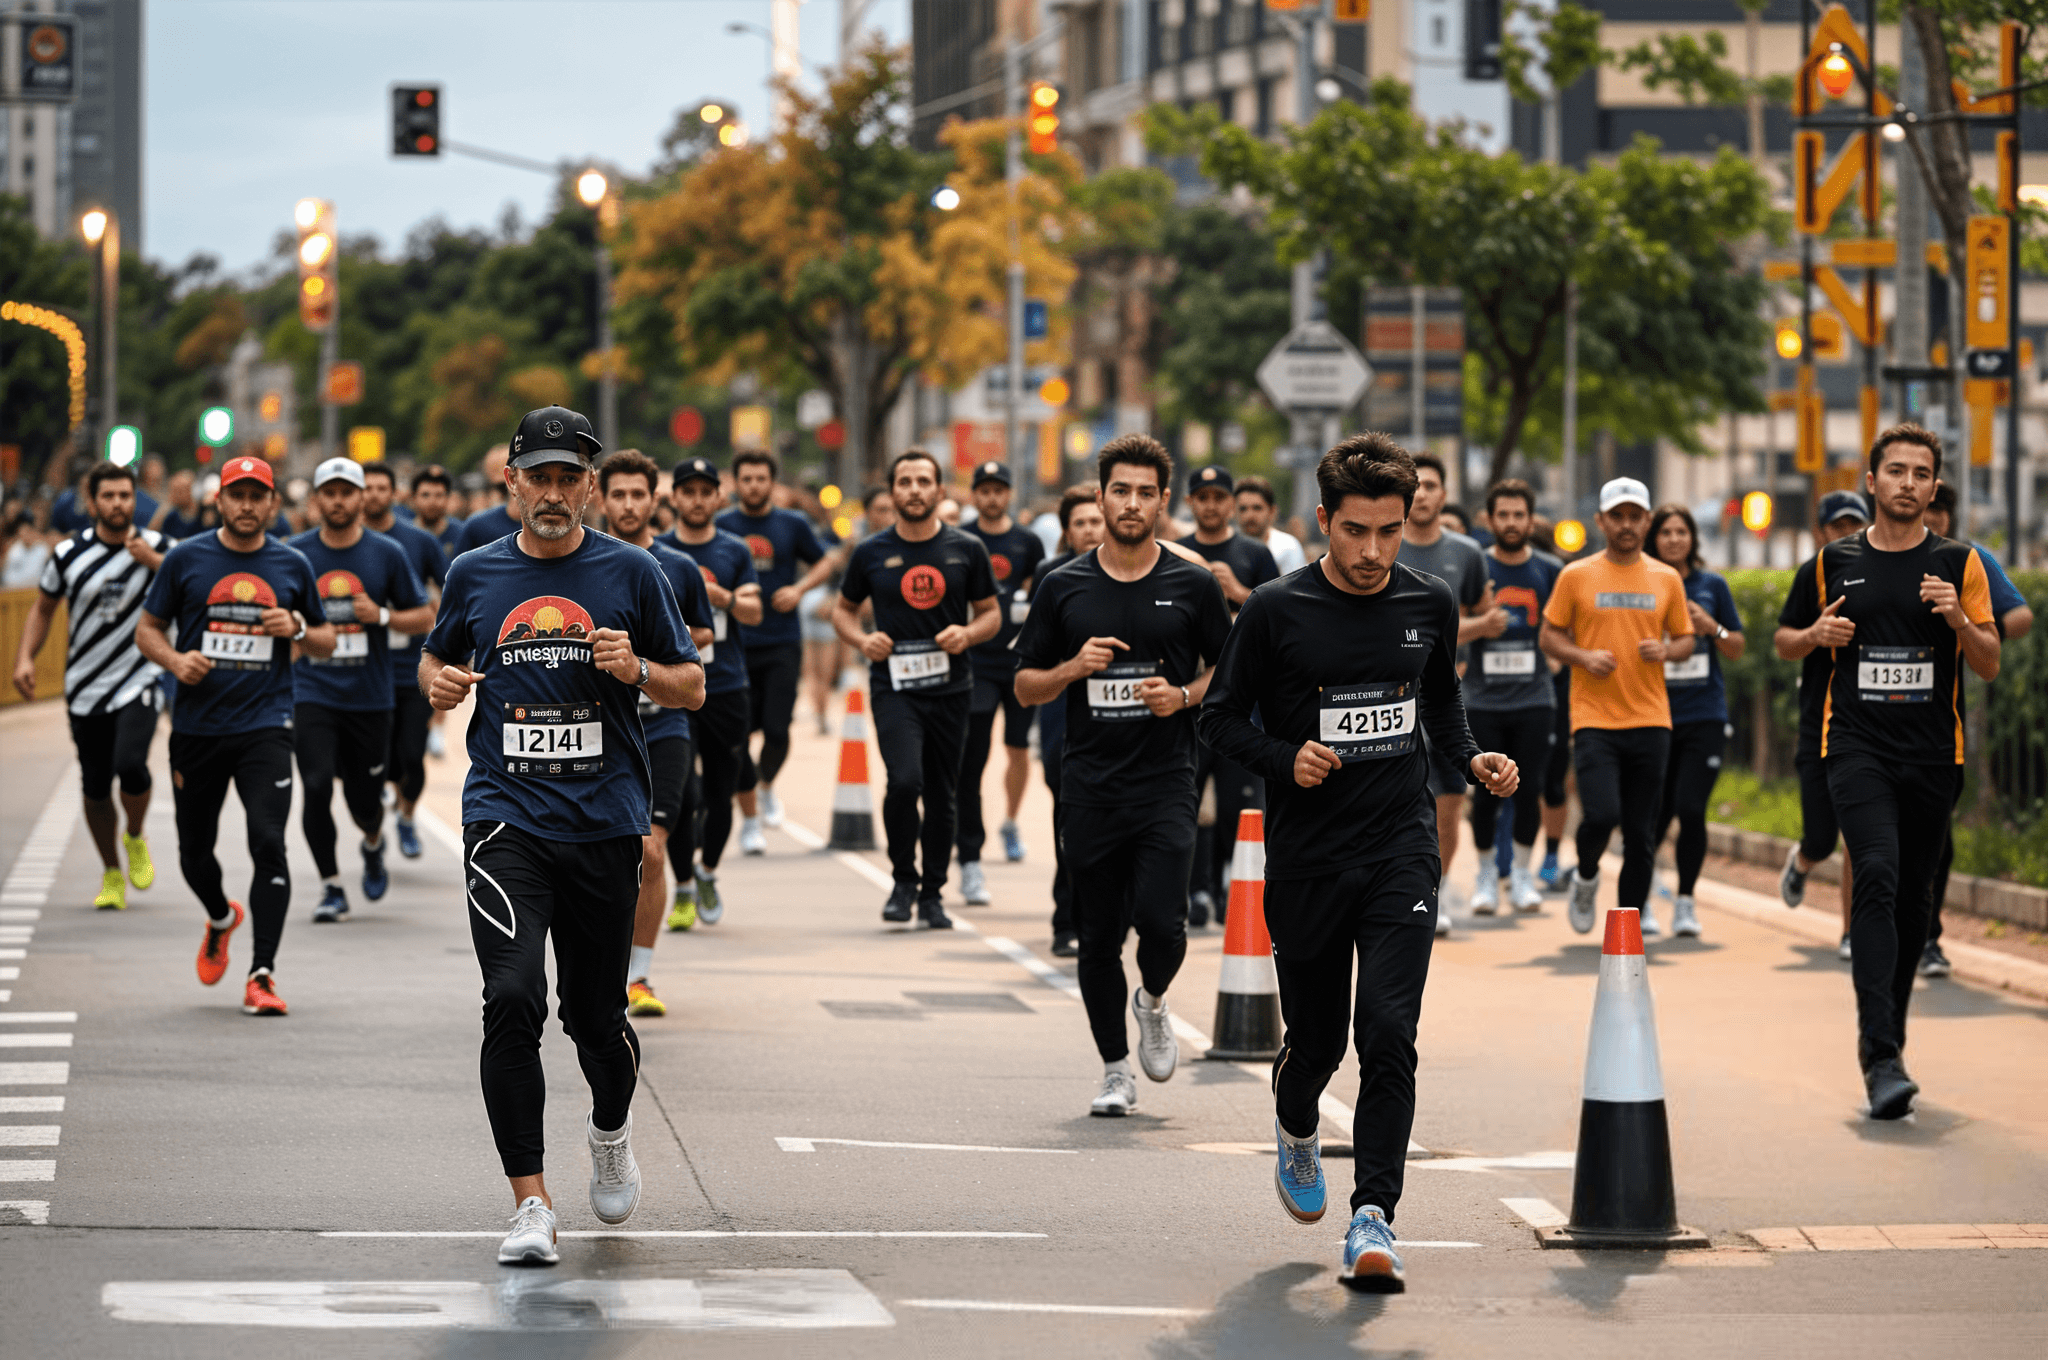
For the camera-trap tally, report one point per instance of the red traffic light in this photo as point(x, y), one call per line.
point(424, 98)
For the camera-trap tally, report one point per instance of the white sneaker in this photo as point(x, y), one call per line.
point(1119, 1095)
point(437, 745)
point(771, 807)
point(974, 885)
point(1523, 890)
point(532, 1239)
point(1584, 901)
point(1443, 921)
point(1158, 1050)
point(614, 1175)
point(1486, 892)
point(1685, 918)
point(752, 842)
point(1651, 930)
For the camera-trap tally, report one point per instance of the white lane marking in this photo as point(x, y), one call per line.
point(811, 1145)
point(34, 1073)
point(35, 1211)
point(20, 914)
point(450, 838)
point(1534, 1161)
point(1537, 1213)
point(33, 873)
point(1079, 1309)
point(10, 974)
point(38, 1017)
point(595, 1234)
point(31, 1104)
point(13, 953)
point(6, 995)
point(17, 934)
point(28, 1171)
point(35, 1041)
point(1032, 964)
point(29, 1135)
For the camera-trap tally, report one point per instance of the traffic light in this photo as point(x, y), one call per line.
point(319, 281)
point(1789, 342)
point(216, 426)
point(722, 123)
point(1042, 122)
point(415, 120)
point(1756, 512)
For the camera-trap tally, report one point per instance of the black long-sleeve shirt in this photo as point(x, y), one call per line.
point(1360, 674)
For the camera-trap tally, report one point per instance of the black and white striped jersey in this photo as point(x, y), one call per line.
point(103, 586)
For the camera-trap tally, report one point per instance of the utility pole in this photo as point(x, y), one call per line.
point(1909, 325)
point(1305, 430)
point(1553, 154)
point(785, 56)
point(1022, 469)
point(103, 231)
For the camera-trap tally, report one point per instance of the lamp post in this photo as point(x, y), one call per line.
point(102, 231)
point(592, 189)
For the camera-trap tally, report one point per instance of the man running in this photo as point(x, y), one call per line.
point(342, 716)
point(783, 544)
point(1256, 508)
point(411, 715)
point(431, 488)
point(1015, 555)
point(934, 596)
point(240, 601)
point(629, 487)
point(1615, 620)
point(1082, 529)
point(110, 688)
point(1346, 662)
point(1903, 610)
point(570, 628)
point(1508, 695)
point(491, 523)
point(1128, 633)
point(720, 726)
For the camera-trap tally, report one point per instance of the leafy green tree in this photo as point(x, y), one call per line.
point(1226, 303)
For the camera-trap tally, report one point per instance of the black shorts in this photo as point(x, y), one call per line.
point(116, 743)
point(989, 694)
point(668, 769)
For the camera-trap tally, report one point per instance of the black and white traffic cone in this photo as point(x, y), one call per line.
point(853, 806)
point(1622, 1191)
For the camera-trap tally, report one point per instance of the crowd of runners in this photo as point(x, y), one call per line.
point(1370, 697)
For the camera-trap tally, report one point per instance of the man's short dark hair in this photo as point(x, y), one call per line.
point(1136, 450)
point(628, 463)
point(1072, 499)
point(380, 468)
point(1508, 488)
point(1371, 465)
point(1430, 460)
point(1906, 434)
point(103, 473)
point(916, 455)
point(435, 474)
point(761, 456)
point(1259, 487)
point(1944, 499)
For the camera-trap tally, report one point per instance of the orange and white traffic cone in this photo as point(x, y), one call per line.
point(1622, 1192)
point(853, 806)
point(1248, 993)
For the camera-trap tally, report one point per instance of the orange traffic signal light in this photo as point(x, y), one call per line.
point(319, 281)
point(1042, 123)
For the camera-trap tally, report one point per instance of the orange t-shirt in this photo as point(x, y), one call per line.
point(1609, 608)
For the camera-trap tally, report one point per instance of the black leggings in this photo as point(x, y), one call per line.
point(981, 731)
point(584, 894)
point(1052, 746)
point(1621, 778)
point(1236, 789)
point(1524, 736)
point(1560, 763)
point(1818, 830)
point(1937, 892)
point(259, 765)
point(1129, 868)
point(411, 715)
point(115, 743)
point(921, 738)
point(772, 677)
point(719, 730)
point(1689, 777)
point(355, 745)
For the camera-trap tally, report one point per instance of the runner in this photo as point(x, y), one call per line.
point(1082, 529)
point(491, 523)
point(238, 599)
point(1615, 620)
point(343, 711)
point(629, 486)
point(431, 489)
point(571, 628)
point(1240, 566)
point(1345, 661)
point(411, 715)
point(1015, 555)
point(1256, 508)
point(1842, 513)
point(721, 724)
point(1699, 708)
point(1508, 695)
point(934, 596)
point(782, 543)
point(1903, 609)
point(111, 693)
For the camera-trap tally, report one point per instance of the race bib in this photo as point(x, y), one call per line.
point(1367, 722)
point(918, 664)
point(1895, 675)
point(352, 645)
point(1113, 691)
point(552, 741)
point(717, 627)
point(1020, 610)
point(1694, 670)
point(396, 640)
point(1508, 659)
point(707, 653)
point(228, 644)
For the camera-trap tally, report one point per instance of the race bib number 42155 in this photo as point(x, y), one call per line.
point(1367, 722)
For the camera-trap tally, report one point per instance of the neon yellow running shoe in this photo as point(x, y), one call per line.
point(641, 1000)
point(141, 869)
point(683, 913)
point(113, 892)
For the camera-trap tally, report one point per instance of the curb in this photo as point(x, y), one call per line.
point(2015, 903)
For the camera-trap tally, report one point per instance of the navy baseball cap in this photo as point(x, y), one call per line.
point(991, 471)
point(1843, 505)
point(554, 434)
point(691, 468)
point(1203, 479)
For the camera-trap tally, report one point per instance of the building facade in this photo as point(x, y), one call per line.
point(65, 158)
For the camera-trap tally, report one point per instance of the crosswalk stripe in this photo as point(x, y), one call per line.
point(34, 1073)
point(28, 1171)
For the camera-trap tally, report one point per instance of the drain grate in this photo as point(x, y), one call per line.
point(970, 1001)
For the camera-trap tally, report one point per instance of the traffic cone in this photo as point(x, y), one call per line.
point(1248, 993)
point(1622, 1194)
point(853, 807)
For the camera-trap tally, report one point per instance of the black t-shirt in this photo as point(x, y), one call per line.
point(1896, 692)
point(1250, 560)
point(1816, 669)
point(919, 590)
point(1014, 557)
point(1174, 618)
point(1360, 674)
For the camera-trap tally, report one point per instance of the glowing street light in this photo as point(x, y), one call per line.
point(93, 226)
point(314, 250)
point(307, 213)
point(590, 187)
point(712, 113)
point(1836, 74)
point(1569, 535)
point(946, 199)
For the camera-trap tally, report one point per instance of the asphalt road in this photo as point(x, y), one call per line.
point(326, 1183)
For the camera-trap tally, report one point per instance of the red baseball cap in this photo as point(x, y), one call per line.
point(247, 470)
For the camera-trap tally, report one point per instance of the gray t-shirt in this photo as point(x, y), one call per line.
point(1456, 560)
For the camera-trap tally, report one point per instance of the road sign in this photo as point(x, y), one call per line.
point(752, 426)
point(366, 443)
point(1988, 363)
point(1036, 319)
point(1315, 369)
point(344, 383)
point(1988, 322)
point(48, 67)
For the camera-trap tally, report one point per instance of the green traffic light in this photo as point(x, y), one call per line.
point(216, 426)
point(124, 445)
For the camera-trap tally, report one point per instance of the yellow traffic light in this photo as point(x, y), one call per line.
point(1054, 392)
point(318, 257)
point(1042, 126)
point(1788, 340)
point(1756, 511)
point(313, 251)
point(1835, 74)
point(307, 213)
point(1569, 535)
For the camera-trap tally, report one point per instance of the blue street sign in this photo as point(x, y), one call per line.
point(1035, 319)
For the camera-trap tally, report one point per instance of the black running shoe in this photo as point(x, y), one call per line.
point(1199, 906)
point(1065, 947)
point(1933, 963)
point(933, 913)
point(902, 898)
point(1891, 1090)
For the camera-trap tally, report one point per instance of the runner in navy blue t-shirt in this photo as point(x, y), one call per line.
point(492, 522)
point(411, 715)
point(567, 628)
point(721, 725)
point(432, 489)
point(239, 601)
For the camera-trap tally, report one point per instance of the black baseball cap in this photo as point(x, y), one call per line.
point(692, 468)
point(991, 471)
point(554, 434)
point(1212, 476)
point(1843, 505)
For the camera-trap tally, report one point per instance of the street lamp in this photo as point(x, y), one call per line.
point(592, 188)
point(102, 231)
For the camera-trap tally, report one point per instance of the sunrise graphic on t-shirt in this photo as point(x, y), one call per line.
point(763, 550)
point(338, 590)
point(243, 588)
point(547, 616)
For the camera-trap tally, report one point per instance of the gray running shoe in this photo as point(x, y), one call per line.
point(614, 1175)
point(1158, 1050)
point(532, 1239)
point(1791, 883)
point(1119, 1095)
point(974, 884)
point(1843, 952)
point(710, 906)
point(1584, 903)
point(1685, 918)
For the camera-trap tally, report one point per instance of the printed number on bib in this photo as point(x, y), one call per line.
point(919, 664)
point(222, 645)
point(1113, 691)
point(1508, 658)
point(396, 640)
point(1367, 722)
point(1895, 675)
point(551, 741)
point(717, 626)
point(350, 646)
point(1694, 669)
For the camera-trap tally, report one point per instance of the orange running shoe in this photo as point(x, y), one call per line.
point(259, 997)
point(213, 947)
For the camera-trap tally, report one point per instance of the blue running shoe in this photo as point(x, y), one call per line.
point(333, 904)
point(1298, 1175)
point(1013, 843)
point(375, 879)
point(1551, 876)
point(408, 839)
point(1370, 1262)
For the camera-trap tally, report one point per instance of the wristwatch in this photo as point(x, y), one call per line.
point(1185, 701)
point(383, 616)
point(1720, 632)
point(645, 673)
point(302, 625)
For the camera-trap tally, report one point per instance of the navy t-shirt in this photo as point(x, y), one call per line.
point(356, 678)
point(1695, 686)
point(555, 745)
point(449, 536)
point(920, 589)
point(213, 599)
point(1014, 557)
point(487, 527)
point(725, 561)
point(782, 544)
point(429, 563)
point(695, 606)
point(1509, 672)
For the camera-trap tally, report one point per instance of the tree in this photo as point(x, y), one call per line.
point(1225, 303)
point(35, 391)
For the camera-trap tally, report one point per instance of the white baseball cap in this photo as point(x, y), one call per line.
point(350, 471)
point(1624, 491)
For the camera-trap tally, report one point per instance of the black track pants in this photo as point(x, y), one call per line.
point(720, 732)
point(1236, 789)
point(1689, 776)
point(259, 765)
point(773, 674)
point(1818, 830)
point(1052, 747)
point(921, 738)
point(1937, 893)
point(1621, 780)
point(353, 745)
point(1128, 867)
point(1524, 736)
point(411, 716)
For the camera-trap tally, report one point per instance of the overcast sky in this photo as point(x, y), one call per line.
point(255, 104)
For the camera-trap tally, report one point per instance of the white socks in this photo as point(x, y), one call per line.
point(642, 962)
